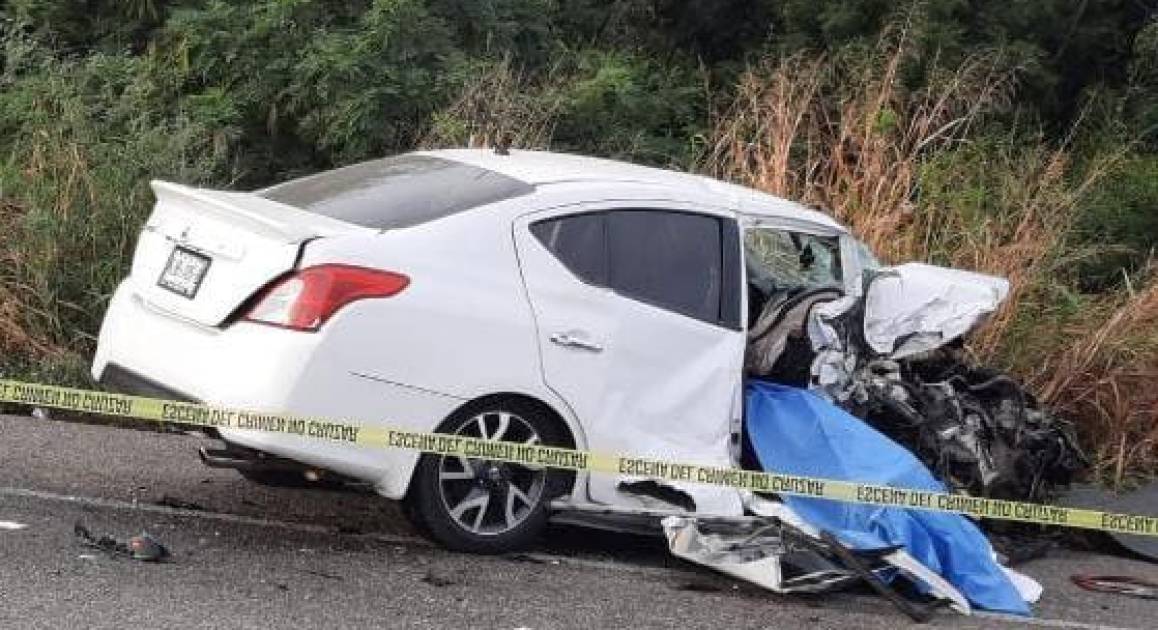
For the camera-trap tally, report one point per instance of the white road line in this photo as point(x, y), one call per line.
point(604, 565)
point(1046, 623)
point(11, 526)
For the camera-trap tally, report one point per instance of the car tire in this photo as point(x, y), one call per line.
point(481, 506)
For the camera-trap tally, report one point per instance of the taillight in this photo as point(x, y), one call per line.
point(305, 299)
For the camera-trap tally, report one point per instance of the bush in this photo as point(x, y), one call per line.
point(81, 139)
point(1119, 222)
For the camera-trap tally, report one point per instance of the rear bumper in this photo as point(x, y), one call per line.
point(146, 352)
point(125, 381)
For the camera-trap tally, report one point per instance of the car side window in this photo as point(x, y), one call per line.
point(680, 261)
point(675, 260)
point(783, 260)
point(579, 242)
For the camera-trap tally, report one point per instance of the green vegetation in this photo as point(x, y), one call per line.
point(1017, 137)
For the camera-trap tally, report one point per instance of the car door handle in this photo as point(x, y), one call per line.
point(575, 341)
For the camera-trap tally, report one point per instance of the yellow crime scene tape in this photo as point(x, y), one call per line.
point(211, 416)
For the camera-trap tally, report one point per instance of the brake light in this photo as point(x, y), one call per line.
point(307, 298)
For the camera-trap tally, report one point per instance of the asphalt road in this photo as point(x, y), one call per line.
point(245, 556)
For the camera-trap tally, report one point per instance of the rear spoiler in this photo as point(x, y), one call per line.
point(265, 217)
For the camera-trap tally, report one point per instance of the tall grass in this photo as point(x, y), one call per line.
point(845, 134)
point(1104, 371)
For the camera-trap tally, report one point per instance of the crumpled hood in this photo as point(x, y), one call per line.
point(914, 307)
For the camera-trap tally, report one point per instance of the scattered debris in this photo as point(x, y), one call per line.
point(699, 587)
point(920, 613)
point(437, 578)
point(180, 504)
point(771, 554)
point(524, 557)
point(322, 574)
point(142, 547)
point(1118, 584)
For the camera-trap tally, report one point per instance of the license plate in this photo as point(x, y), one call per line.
point(184, 272)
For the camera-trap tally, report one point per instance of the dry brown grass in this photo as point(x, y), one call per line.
point(1106, 373)
point(848, 137)
point(15, 333)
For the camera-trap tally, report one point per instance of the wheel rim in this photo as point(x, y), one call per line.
point(487, 497)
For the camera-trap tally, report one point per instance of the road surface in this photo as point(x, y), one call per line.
point(245, 556)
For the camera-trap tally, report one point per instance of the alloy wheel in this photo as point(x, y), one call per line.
point(488, 497)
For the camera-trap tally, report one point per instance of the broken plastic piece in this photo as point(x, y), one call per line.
point(142, 547)
point(918, 613)
point(1118, 584)
point(779, 556)
point(146, 549)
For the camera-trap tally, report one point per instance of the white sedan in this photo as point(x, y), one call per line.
point(531, 297)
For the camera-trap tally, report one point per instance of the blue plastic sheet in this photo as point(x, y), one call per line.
point(796, 432)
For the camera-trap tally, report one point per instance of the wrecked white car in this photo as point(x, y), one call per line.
point(531, 297)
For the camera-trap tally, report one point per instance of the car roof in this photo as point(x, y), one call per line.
point(544, 168)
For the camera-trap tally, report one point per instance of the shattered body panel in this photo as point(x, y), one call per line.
point(976, 428)
point(894, 359)
point(915, 308)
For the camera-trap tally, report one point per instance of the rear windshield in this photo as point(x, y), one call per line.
point(398, 191)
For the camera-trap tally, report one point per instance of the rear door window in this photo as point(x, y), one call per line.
point(579, 242)
point(669, 259)
point(679, 261)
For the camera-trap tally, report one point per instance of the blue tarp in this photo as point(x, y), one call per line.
point(796, 432)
